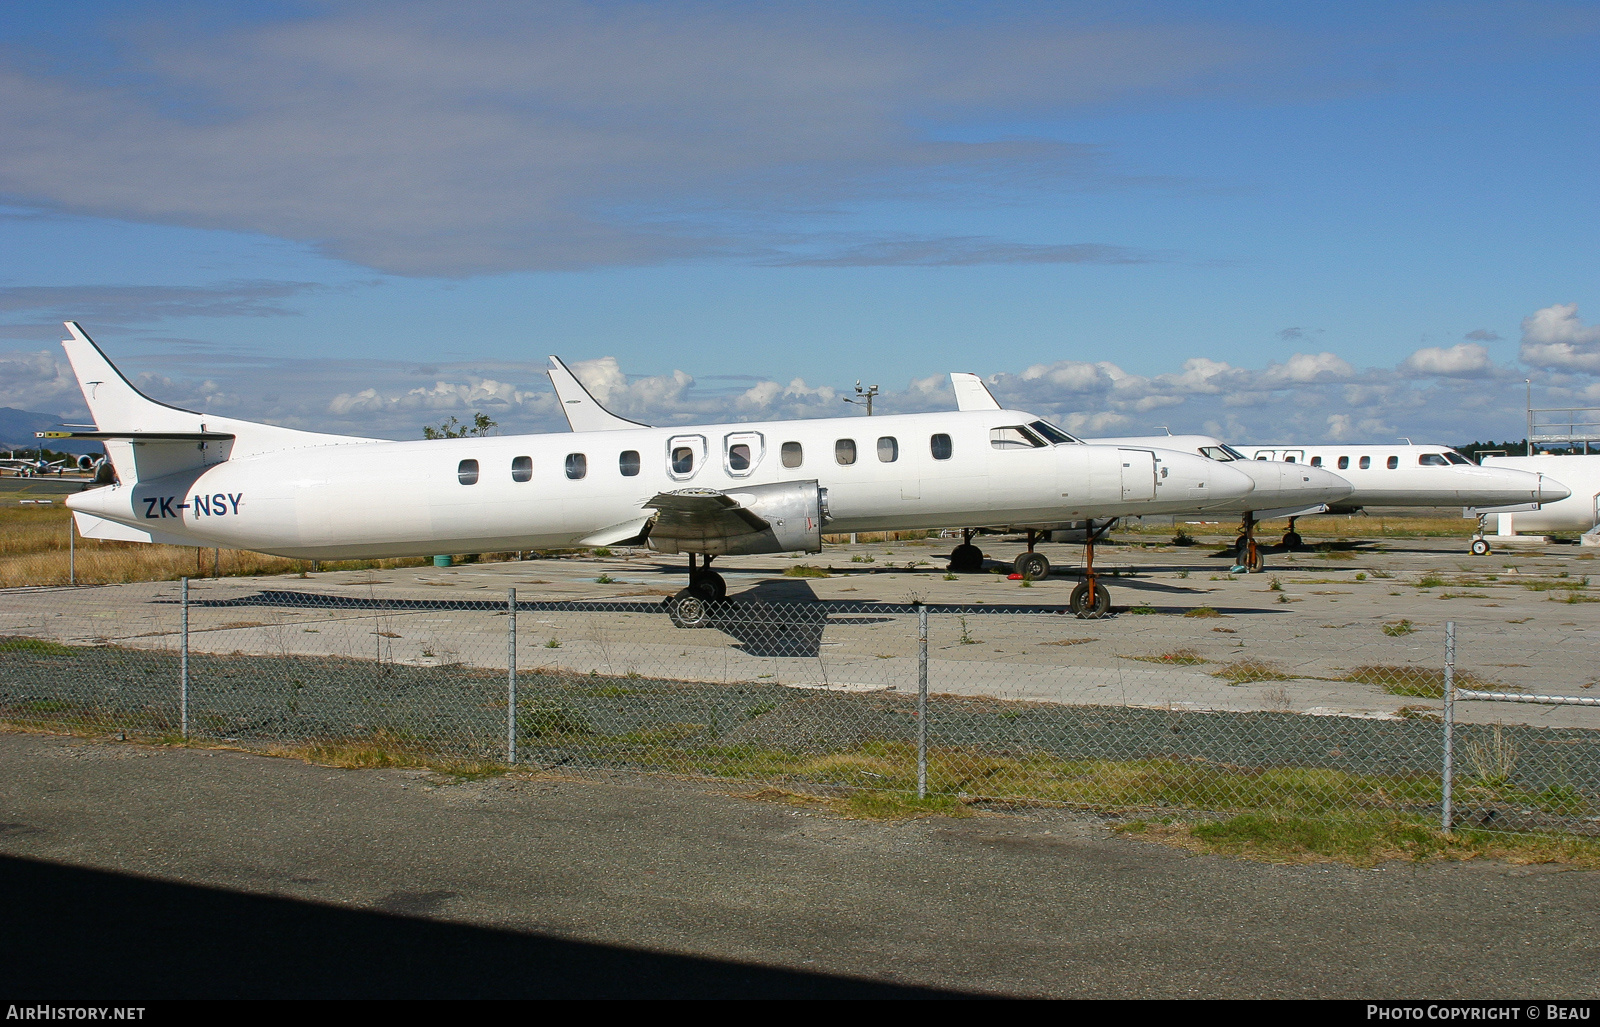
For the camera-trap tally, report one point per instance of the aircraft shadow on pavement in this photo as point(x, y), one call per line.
point(69, 933)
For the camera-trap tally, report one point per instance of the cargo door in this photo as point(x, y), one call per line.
point(1138, 474)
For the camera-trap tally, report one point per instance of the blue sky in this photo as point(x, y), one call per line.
point(1271, 221)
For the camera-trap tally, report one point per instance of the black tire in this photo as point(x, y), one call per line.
point(966, 559)
point(690, 609)
point(709, 584)
point(1292, 540)
point(1480, 547)
point(1087, 606)
point(1032, 566)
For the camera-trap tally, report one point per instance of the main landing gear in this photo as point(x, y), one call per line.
point(1032, 566)
point(691, 607)
point(1090, 599)
point(1249, 553)
point(968, 558)
point(1291, 538)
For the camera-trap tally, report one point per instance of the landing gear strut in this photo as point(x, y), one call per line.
point(966, 558)
point(1030, 565)
point(691, 607)
point(1480, 545)
point(1090, 599)
point(1249, 553)
point(1291, 538)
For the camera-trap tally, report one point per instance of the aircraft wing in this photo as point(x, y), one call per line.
point(971, 393)
point(701, 515)
point(584, 412)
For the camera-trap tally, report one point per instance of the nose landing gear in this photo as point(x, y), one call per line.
point(1291, 538)
point(1090, 599)
point(1249, 556)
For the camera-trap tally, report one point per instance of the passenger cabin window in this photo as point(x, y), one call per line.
point(1433, 460)
point(1316, 461)
point(1289, 459)
point(1366, 462)
point(522, 468)
point(940, 446)
point(739, 457)
point(792, 454)
point(467, 472)
point(844, 451)
point(888, 449)
point(1393, 462)
point(577, 465)
point(1015, 437)
point(682, 460)
point(1344, 463)
point(628, 462)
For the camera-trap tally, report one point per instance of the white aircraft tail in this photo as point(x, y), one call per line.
point(169, 439)
point(971, 393)
point(584, 412)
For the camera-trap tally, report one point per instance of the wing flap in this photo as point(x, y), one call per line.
point(700, 515)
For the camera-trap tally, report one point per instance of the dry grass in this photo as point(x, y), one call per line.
point(34, 551)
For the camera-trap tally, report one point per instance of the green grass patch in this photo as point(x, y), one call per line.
point(1363, 841)
point(1203, 611)
point(804, 570)
point(34, 646)
point(1418, 682)
point(1395, 629)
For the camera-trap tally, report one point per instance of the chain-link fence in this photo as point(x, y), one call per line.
point(1198, 715)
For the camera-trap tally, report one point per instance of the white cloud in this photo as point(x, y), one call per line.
point(1464, 358)
point(434, 138)
point(1555, 338)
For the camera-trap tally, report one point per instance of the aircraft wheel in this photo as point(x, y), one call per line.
point(1292, 540)
point(1087, 606)
point(1032, 566)
point(690, 608)
point(710, 585)
point(1250, 558)
point(966, 559)
point(1480, 547)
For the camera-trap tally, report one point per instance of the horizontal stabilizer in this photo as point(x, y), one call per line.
point(90, 526)
point(584, 412)
point(140, 436)
point(971, 393)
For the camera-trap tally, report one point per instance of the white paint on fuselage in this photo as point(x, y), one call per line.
point(1578, 512)
point(1279, 485)
point(404, 498)
point(1408, 475)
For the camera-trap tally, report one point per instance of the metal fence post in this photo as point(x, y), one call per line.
point(183, 662)
point(922, 701)
point(72, 550)
point(1446, 813)
point(511, 676)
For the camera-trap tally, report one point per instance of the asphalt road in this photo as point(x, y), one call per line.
point(132, 872)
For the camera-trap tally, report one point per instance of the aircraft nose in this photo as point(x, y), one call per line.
point(1551, 491)
point(1327, 485)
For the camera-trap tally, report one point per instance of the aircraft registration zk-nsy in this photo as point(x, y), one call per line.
point(195, 479)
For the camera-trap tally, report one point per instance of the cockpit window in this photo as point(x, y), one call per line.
point(1217, 453)
point(1051, 433)
point(1433, 460)
point(1457, 458)
point(1014, 437)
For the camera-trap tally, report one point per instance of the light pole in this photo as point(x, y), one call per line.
point(862, 396)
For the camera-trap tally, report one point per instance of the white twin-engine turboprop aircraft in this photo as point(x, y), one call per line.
point(196, 479)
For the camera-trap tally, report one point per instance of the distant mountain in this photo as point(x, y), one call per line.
point(17, 428)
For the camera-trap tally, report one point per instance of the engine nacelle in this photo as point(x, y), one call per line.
point(790, 515)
